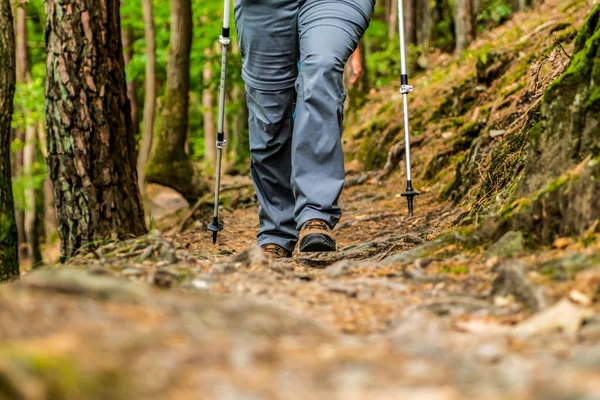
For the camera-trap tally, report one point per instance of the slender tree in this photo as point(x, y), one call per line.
point(410, 21)
point(91, 146)
point(464, 22)
point(31, 217)
point(393, 19)
point(169, 164)
point(127, 36)
point(9, 264)
point(150, 92)
point(208, 99)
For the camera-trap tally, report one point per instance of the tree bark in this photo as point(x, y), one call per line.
point(169, 164)
point(150, 93)
point(208, 103)
point(131, 86)
point(31, 220)
point(91, 147)
point(9, 263)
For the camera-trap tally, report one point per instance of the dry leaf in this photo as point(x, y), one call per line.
point(561, 243)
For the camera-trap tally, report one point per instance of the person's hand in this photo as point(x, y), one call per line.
point(356, 66)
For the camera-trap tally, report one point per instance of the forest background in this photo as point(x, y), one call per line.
point(435, 26)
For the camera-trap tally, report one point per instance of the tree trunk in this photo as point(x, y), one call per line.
point(19, 135)
point(442, 36)
point(50, 221)
point(150, 93)
point(91, 147)
point(169, 164)
point(465, 28)
point(393, 19)
point(131, 86)
point(410, 21)
point(31, 219)
point(208, 103)
point(9, 263)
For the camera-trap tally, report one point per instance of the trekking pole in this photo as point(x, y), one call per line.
point(405, 89)
point(215, 226)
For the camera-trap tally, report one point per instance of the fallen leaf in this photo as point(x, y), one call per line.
point(561, 243)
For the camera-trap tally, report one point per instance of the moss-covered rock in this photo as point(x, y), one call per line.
point(560, 188)
point(570, 114)
point(566, 206)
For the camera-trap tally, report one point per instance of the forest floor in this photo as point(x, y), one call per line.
point(417, 308)
point(398, 312)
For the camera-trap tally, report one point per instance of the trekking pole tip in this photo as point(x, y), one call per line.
point(410, 195)
point(215, 227)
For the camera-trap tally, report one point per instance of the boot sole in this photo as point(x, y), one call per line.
point(317, 243)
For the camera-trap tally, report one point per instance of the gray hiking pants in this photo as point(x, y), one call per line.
point(296, 116)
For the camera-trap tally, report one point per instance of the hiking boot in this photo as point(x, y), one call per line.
point(276, 251)
point(316, 236)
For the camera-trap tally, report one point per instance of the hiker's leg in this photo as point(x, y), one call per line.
point(270, 126)
point(329, 32)
point(269, 47)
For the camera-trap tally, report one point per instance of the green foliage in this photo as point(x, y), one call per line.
point(496, 11)
point(207, 20)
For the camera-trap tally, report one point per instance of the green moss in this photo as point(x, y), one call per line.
point(458, 270)
point(566, 36)
point(566, 267)
point(593, 102)
point(56, 376)
point(553, 186)
point(588, 29)
point(378, 139)
point(587, 45)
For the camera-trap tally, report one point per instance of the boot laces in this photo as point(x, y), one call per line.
point(316, 223)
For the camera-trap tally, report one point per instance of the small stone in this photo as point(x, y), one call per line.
point(512, 281)
point(497, 132)
point(167, 254)
point(423, 263)
point(200, 284)
point(490, 353)
point(343, 289)
point(223, 268)
point(509, 245)
point(165, 279)
point(282, 268)
point(563, 316)
point(252, 257)
point(577, 297)
point(132, 271)
point(338, 269)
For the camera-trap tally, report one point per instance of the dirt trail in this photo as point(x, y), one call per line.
point(394, 314)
